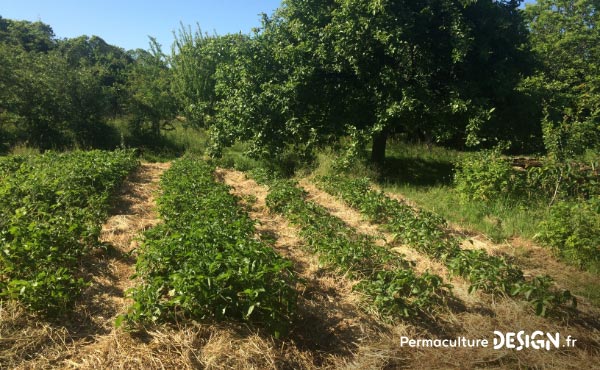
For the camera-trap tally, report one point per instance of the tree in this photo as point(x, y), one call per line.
point(110, 63)
point(196, 58)
point(30, 36)
point(47, 100)
point(565, 36)
point(434, 69)
point(151, 105)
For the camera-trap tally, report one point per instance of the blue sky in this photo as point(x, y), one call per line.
point(128, 23)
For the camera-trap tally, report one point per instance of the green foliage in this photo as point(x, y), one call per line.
point(59, 95)
point(572, 230)
point(205, 262)
point(484, 272)
point(485, 176)
point(198, 61)
point(565, 35)
point(51, 210)
point(379, 68)
point(563, 180)
point(427, 233)
point(150, 104)
point(543, 298)
point(385, 277)
point(29, 36)
point(489, 176)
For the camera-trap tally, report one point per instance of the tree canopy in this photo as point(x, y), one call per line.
point(565, 36)
point(316, 70)
point(456, 72)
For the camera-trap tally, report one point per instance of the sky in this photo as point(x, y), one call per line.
point(128, 23)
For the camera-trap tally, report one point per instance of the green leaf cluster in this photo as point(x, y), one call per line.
point(205, 261)
point(565, 37)
point(572, 230)
point(51, 210)
point(487, 175)
point(428, 233)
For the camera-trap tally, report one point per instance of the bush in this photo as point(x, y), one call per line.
point(487, 176)
point(572, 230)
point(563, 180)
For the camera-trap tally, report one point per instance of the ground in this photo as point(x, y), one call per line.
point(334, 329)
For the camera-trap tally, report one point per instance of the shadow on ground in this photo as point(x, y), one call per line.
point(416, 171)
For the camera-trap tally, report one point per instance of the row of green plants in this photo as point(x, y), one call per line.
point(51, 211)
point(388, 281)
point(570, 189)
point(205, 261)
point(428, 234)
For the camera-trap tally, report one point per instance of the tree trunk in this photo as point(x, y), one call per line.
point(378, 149)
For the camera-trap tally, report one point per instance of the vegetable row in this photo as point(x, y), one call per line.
point(427, 233)
point(52, 207)
point(386, 279)
point(205, 261)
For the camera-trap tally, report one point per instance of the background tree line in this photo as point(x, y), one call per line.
point(59, 93)
point(461, 73)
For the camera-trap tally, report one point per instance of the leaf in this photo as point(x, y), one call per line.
point(250, 310)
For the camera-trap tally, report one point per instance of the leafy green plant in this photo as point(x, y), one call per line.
point(538, 291)
point(572, 230)
point(486, 175)
point(487, 273)
point(51, 210)
point(563, 180)
point(205, 262)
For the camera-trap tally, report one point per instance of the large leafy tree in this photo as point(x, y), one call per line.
point(52, 105)
point(195, 61)
point(110, 63)
point(565, 35)
point(436, 69)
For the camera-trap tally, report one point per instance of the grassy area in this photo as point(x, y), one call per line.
point(172, 144)
point(424, 174)
point(499, 220)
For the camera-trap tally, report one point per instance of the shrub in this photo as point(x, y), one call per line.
point(572, 230)
point(486, 176)
point(562, 180)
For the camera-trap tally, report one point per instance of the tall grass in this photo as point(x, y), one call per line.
point(424, 174)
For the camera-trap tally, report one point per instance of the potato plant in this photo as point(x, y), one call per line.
point(386, 278)
point(51, 210)
point(427, 233)
point(205, 262)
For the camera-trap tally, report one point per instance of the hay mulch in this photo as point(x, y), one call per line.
point(476, 315)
